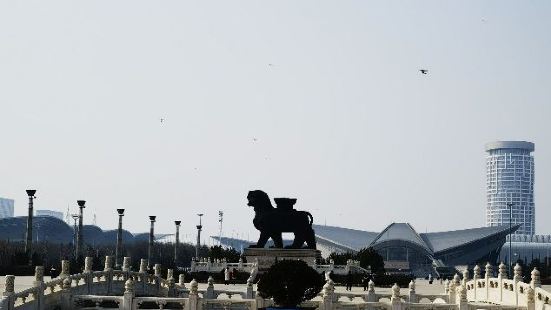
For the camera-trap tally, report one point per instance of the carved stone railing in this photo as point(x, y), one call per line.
point(128, 290)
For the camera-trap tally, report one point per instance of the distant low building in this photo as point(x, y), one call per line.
point(6, 207)
point(55, 214)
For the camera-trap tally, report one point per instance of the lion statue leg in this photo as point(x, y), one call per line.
point(278, 240)
point(310, 238)
point(264, 236)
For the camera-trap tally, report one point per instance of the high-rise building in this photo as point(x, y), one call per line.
point(6, 207)
point(510, 185)
point(56, 214)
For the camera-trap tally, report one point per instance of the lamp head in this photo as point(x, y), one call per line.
point(120, 211)
point(152, 218)
point(31, 192)
point(81, 203)
point(177, 223)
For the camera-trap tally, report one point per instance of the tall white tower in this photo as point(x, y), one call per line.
point(510, 185)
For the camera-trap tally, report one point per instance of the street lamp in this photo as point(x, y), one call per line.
point(220, 219)
point(510, 205)
point(177, 242)
point(80, 239)
point(151, 236)
point(29, 239)
point(118, 249)
point(199, 227)
point(75, 232)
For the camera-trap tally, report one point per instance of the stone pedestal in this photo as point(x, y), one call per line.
point(266, 257)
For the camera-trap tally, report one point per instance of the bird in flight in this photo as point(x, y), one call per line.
point(424, 71)
point(255, 139)
point(162, 120)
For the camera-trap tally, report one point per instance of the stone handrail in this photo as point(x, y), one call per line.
point(122, 287)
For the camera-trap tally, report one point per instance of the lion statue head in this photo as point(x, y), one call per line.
point(259, 200)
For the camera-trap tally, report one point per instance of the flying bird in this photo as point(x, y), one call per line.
point(162, 119)
point(424, 71)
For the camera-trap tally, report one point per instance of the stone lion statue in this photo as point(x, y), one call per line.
point(272, 222)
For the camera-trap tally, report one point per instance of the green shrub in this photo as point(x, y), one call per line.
point(290, 282)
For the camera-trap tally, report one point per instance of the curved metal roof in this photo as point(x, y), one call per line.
point(350, 238)
point(401, 231)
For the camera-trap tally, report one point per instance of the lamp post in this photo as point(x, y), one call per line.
point(510, 205)
point(221, 220)
point(75, 232)
point(29, 234)
point(151, 236)
point(177, 242)
point(80, 239)
point(118, 249)
point(199, 227)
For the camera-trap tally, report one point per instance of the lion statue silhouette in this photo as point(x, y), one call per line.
point(272, 222)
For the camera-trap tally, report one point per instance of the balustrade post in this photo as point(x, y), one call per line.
point(451, 292)
point(182, 281)
point(461, 297)
point(108, 269)
point(66, 298)
point(412, 295)
point(371, 296)
point(65, 269)
point(536, 279)
point(327, 297)
point(193, 299)
point(530, 299)
point(396, 302)
point(129, 292)
point(476, 277)
point(250, 292)
point(8, 300)
point(88, 277)
point(171, 283)
point(126, 264)
point(502, 275)
point(487, 277)
point(39, 285)
point(210, 288)
point(158, 276)
point(465, 277)
point(143, 275)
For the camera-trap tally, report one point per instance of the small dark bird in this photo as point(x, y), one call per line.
point(270, 65)
point(424, 71)
point(162, 120)
point(255, 139)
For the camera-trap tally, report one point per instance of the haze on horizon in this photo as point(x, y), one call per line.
point(318, 100)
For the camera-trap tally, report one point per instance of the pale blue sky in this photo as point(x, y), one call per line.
point(343, 119)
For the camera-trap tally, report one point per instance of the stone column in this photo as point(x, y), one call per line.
point(177, 243)
point(502, 275)
point(143, 275)
point(412, 295)
point(476, 277)
point(530, 299)
point(29, 234)
point(8, 301)
point(151, 240)
point(80, 240)
point(118, 249)
point(250, 291)
point(452, 292)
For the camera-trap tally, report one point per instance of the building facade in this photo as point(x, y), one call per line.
point(6, 207)
point(510, 185)
point(55, 214)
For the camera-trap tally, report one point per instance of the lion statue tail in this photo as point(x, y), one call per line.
point(310, 217)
